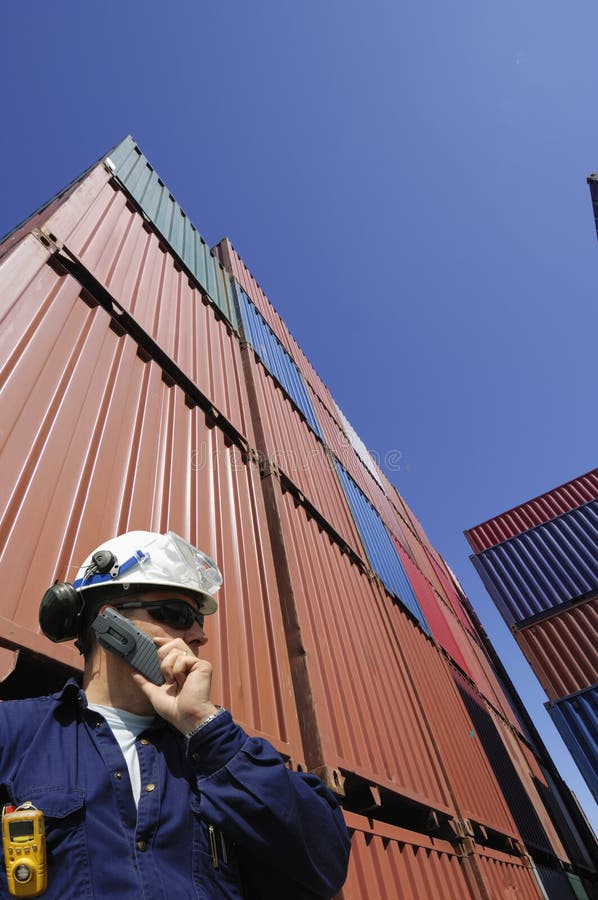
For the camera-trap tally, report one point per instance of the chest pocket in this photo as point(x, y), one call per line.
point(215, 867)
point(66, 846)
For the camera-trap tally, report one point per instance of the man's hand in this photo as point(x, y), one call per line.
point(184, 698)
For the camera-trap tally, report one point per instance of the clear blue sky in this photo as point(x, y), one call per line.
point(407, 183)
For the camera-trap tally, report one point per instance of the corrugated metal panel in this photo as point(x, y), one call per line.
point(142, 182)
point(460, 645)
point(275, 358)
point(536, 572)
point(339, 444)
point(369, 721)
point(496, 692)
point(576, 719)
point(534, 512)
point(294, 449)
point(517, 755)
point(555, 883)
point(506, 877)
point(581, 847)
point(449, 590)
point(405, 511)
point(231, 260)
point(74, 198)
point(94, 442)
point(310, 375)
point(130, 261)
point(17, 270)
point(360, 448)
point(480, 673)
point(437, 616)
point(380, 548)
point(473, 783)
point(520, 804)
point(421, 557)
point(563, 650)
point(388, 862)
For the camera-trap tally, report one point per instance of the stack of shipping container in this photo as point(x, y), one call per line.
point(539, 563)
point(147, 382)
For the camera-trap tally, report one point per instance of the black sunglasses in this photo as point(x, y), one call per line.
point(176, 613)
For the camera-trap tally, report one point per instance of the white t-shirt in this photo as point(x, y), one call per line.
point(126, 727)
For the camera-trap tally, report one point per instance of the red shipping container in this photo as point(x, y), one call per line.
point(288, 443)
point(520, 760)
point(59, 215)
point(388, 862)
point(368, 718)
point(473, 782)
point(563, 649)
point(449, 590)
point(438, 617)
point(534, 512)
point(233, 262)
point(504, 876)
point(114, 243)
point(340, 445)
point(490, 684)
point(95, 442)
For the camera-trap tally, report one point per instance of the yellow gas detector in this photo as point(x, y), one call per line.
point(24, 839)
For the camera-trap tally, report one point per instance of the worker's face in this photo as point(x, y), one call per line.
point(160, 631)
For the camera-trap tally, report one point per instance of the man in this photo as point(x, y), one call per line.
point(152, 791)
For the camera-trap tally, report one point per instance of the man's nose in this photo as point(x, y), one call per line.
point(196, 633)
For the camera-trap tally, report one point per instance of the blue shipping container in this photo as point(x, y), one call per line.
point(535, 572)
point(576, 718)
point(257, 332)
point(383, 557)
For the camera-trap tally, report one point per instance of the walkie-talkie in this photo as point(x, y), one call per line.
point(120, 636)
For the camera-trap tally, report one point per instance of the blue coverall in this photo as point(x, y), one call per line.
point(219, 815)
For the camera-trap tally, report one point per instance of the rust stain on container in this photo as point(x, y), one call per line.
point(388, 862)
point(103, 446)
point(534, 512)
point(370, 723)
point(563, 650)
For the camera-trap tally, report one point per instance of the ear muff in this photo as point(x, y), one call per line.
point(60, 612)
point(61, 609)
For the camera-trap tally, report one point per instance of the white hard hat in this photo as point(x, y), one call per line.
point(145, 559)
